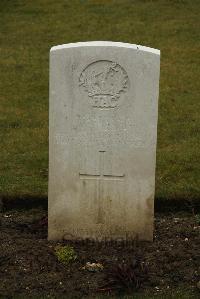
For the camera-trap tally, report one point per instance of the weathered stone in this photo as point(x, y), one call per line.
point(103, 127)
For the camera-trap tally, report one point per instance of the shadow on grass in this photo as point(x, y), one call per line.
point(162, 205)
point(24, 202)
point(173, 205)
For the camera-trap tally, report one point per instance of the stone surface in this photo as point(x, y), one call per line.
point(103, 128)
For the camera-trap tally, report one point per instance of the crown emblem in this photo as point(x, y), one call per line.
point(104, 81)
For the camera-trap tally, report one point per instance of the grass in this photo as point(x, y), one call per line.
point(27, 31)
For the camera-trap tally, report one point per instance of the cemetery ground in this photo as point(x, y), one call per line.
point(28, 265)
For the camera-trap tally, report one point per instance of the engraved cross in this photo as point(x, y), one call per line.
point(100, 177)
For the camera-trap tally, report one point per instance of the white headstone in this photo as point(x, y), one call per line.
point(103, 128)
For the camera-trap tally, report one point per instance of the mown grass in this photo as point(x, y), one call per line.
point(27, 31)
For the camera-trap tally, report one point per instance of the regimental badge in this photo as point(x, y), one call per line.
point(104, 81)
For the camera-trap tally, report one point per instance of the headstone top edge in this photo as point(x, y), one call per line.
point(106, 44)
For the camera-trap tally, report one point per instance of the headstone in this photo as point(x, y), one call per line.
point(103, 128)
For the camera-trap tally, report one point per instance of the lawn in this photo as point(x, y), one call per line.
point(28, 29)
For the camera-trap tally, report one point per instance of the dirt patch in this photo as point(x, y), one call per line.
point(29, 267)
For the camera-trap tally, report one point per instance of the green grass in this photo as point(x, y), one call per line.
point(27, 31)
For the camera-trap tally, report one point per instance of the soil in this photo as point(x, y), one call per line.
point(30, 268)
